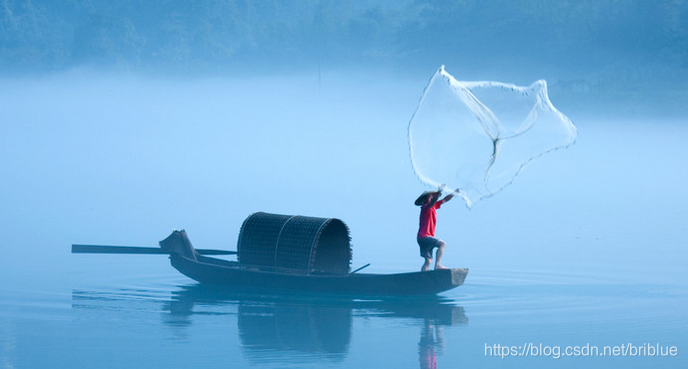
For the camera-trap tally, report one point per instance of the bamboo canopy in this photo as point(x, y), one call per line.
point(299, 243)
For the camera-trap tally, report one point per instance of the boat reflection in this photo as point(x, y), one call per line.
point(305, 326)
point(317, 325)
point(322, 330)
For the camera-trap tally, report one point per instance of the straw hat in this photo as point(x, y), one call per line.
point(421, 199)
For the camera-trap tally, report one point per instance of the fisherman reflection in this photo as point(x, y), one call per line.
point(431, 340)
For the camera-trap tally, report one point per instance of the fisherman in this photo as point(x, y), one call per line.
point(429, 202)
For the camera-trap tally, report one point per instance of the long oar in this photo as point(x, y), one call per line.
point(100, 249)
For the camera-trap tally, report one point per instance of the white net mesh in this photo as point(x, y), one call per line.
point(478, 136)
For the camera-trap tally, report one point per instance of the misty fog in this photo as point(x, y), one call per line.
point(611, 53)
point(120, 121)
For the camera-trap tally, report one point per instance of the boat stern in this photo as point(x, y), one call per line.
point(178, 243)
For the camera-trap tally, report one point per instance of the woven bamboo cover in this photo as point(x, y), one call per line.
point(298, 243)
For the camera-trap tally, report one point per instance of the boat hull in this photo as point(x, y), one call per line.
point(236, 276)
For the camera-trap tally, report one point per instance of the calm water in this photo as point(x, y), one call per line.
point(586, 249)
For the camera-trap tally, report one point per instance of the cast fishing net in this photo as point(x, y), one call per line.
point(478, 136)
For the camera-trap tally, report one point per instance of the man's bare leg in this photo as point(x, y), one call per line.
point(438, 256)
point(426, 265)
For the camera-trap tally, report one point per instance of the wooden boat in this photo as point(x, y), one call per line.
point(287, 254)
point(227, 273)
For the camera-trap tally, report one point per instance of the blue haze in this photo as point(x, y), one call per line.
point(120, 122)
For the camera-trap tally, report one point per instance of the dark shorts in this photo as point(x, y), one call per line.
point(427, 244)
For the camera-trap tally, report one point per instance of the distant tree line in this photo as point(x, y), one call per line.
point(208, 36)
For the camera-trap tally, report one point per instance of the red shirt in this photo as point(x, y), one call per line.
point(428, 219)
